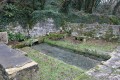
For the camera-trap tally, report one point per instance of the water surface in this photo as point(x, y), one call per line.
point(67, 56)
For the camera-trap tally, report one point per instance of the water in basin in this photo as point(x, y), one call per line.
point(67, 56)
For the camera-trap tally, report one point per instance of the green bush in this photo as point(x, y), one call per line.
point(81, 17)
point(2, 30)
point(11, 36)
point(55, 36)
point(115, 21)
point(16, 36)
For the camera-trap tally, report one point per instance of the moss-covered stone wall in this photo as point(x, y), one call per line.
point(101, 31)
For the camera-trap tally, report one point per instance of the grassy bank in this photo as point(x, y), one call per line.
point(53, 69)
point(95, 49)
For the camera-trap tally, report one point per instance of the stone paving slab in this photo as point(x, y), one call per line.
point(11, 58)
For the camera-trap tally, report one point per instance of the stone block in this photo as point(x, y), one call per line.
point(3, 74)
point(17, 65)
point(28, 71)
point(3, 37)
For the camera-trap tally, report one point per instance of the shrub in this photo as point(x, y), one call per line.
point(20, 37)
point(11, 36)
point(16, 36)
point(115, 21)
point(55, 36)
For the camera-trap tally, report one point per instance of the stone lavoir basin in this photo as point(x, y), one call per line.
point(67, 56)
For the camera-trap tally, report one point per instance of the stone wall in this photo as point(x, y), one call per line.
point(94, 30)
point(40, 29)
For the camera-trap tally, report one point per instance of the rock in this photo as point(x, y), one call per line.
point(74, 34)
point(116, 53)
point(118, 49)
point(116, 65)
point(4, 37)
point(3, 74)
point(112, 61)
point(109, 70)
point(105, 69)
point(102, 75)
point(92, 72)
point(28, 71)
point(17, 65)
point(114, 77)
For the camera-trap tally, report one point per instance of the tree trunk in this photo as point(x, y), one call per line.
point(42, 4)
point(28, 33)
point(116, 8)
point(65, 6)
point(89, 5)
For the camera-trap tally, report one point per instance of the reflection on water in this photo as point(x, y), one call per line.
point(67, 56)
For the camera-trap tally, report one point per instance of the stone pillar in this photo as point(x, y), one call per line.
point(3, 37)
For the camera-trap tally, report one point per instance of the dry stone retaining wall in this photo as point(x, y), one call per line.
point(94, 30)
point(40, 29)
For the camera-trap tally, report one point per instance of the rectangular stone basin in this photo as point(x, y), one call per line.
point(16, 64)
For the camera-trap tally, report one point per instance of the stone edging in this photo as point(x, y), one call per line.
point(108, 70)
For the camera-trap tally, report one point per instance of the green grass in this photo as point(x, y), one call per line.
point(85, 77)
point(95, 49)
point(84, 45)
point(53, 69)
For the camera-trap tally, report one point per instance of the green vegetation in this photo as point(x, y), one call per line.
point(88, 48)
point(55, 36)
point(53, 69)
point(80, 17)
point(28, 12)
point(16, 36)
point(84, 77)
point(28, 42)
